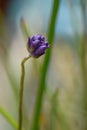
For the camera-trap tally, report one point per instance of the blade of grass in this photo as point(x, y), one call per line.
point(24, 27)
point(83, 64)
point(50, 36)
point(8, 118)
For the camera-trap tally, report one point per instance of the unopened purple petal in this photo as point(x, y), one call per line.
point(35, 44)
point(40, 50)
point(37, 55)
point(42, 38)
point(37, 36)
point(32, 38)
point(46, 44)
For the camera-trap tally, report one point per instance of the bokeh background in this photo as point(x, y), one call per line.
point(65, 98)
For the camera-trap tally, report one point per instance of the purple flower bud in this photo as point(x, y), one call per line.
point(37, 45)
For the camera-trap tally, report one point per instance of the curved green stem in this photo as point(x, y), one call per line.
point(8, 118)
point(41, 88)
point(21, 91)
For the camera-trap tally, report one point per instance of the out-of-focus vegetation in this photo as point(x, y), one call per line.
point(64, 104)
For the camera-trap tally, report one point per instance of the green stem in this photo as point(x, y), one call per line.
point(83, 64)
point(21, 91)
point(84, 78)
point(8, 118)
point(41, 88)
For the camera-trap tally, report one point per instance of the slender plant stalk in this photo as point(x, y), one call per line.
point(50, 36)
point(84, 78)
point(83, 64)
point(9, 119)
point(21, 91)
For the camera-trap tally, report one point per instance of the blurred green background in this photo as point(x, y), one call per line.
point(64, 104)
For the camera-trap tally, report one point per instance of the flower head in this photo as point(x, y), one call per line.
point(37, 45)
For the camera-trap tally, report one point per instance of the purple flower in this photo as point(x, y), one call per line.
point(37, 45)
